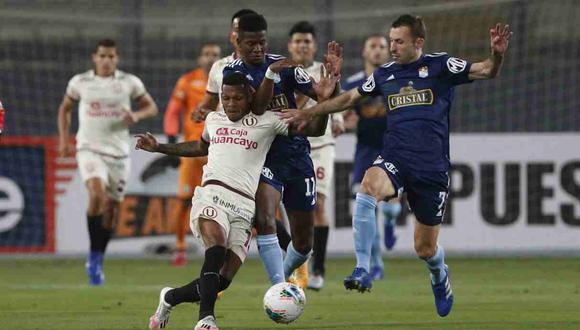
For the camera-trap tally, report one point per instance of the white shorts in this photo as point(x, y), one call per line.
point(112, 170)
point(323, 160)
point(230, 210)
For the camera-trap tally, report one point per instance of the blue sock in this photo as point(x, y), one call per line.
point(436, 265)
point(376, 257)
point(391, 211)
point(364, 227)
point(293, 260)
point(271, 256)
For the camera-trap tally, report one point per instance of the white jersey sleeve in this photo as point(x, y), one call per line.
point(212, 81)
point(72, 89)
point(137, 87)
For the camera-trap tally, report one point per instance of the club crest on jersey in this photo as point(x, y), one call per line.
point(456, 65)
point(209, 212)
point(369, 85)
point(423, 72)
point(250, 121)
point(301, 76)
point(409, 96)
point(279, 102)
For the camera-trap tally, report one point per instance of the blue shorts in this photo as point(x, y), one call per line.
point(364, 157)
point(426, 191)
point(294, 179)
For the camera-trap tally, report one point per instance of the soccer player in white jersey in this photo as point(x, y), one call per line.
point(302, 48)
point(211, 101)
point(104, 95)
point(236, 143)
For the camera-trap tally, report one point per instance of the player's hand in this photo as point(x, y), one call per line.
point(337, 128)
point(278, 66)
point(334, 58)
point(65, 149)
point(129, 117)
point(298, 118)
point(499, 38)
point(146, 142)
point(325, 87)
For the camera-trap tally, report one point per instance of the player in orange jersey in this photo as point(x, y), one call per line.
point(188, 92)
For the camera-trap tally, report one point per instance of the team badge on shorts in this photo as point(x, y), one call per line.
point(209, 212)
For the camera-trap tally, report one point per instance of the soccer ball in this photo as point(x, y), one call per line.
point(284, 302)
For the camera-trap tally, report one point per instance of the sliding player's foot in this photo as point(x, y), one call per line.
point(207, 323)
point(160, 319)
point(359, 280)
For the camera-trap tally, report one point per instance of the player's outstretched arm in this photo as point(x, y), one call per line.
point(302, 117)
point(65, 148)
point(263, 96)
point(148, 142)
point(499, 41)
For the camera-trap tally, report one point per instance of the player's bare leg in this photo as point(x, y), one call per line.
point(97, 233)
point(267, 200)
point(301, 231)
point(375, 186)
point(181, 216)
point(320, 240)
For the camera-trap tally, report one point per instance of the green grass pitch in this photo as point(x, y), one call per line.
point(506, 294)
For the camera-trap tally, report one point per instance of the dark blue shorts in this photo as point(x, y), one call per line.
point(427, 191)
point(364, 156)
point(294, 179)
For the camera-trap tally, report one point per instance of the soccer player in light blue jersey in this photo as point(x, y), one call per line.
point(418, 90)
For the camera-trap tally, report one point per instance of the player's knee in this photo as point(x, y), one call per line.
point(371, 187)
point(425, 250)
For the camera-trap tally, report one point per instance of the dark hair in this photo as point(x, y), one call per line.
point(302, 27)
point(414, 23)
point(236, 79)
point(107, 43)
point(241, 13)
point(252, 23)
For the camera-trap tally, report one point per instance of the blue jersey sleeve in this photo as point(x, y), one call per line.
point(298, 78)
point(370, 86)
point(456, 70)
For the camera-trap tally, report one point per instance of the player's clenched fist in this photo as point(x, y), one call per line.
point(146, 142)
